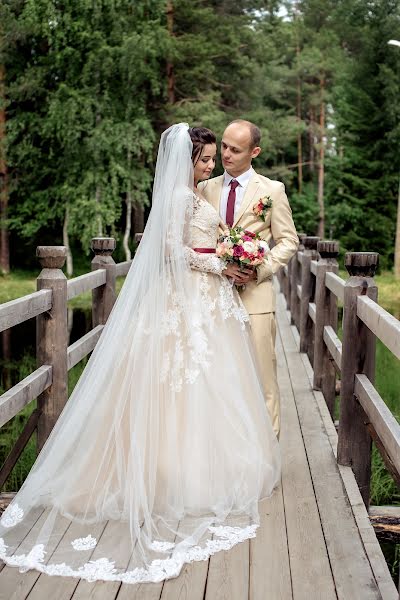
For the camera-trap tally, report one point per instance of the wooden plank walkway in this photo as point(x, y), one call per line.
point(315, 540)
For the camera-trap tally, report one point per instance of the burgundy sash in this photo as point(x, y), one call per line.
point(205, 250)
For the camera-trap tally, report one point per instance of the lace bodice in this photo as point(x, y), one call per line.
point(204, 234)
point(204, 225)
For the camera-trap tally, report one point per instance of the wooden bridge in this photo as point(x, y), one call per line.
point(315, 540)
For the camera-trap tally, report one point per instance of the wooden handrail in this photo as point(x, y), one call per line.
point(383, 421)
point(312, 312)
point(85, 283)
point(21, 309)
point(380, 322)
point(83, 346)
point(326, 309)
point(363, 413)
point(334, 346)
point(122, 268)
point(313, 267)
point(16, 398)
point(307, 295)
point(19, 445)
point(335, 284)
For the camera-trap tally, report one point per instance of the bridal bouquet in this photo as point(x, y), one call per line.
point(241, 246)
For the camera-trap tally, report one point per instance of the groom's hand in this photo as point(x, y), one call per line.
point(249, 275)
point(235, 273)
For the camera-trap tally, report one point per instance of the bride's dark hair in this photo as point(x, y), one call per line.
point(200, 136)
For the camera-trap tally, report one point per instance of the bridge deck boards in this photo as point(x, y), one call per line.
point(308, 546)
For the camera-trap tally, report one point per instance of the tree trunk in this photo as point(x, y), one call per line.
point(397, 243)
point(138, 219)
point(99, 219)
point(128, 220)
point(299, 140)
point(70, 264)
point(340, 188)
point(311, 142)
point(127, 232)
point(321, 165)
point(98, 215)
point(170, 65)
point(4, 238)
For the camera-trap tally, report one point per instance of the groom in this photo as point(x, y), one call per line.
point(234, 195)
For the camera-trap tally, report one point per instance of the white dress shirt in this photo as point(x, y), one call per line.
point(242, 180)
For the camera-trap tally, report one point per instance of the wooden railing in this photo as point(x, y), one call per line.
point(48, 383)
point(312, 289)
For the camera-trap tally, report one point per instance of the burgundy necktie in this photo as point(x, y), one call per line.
point(230, 207)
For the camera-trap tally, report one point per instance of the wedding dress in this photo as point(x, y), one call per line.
point(165, 447)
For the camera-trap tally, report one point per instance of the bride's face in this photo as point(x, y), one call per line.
point(205, 164)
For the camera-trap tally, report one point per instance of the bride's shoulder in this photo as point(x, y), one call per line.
point(202, 202)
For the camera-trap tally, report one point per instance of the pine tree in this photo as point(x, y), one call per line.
point(80, 133)
point(363, 186)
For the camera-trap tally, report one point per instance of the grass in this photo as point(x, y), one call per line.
point(21, 283)
point(16, 284)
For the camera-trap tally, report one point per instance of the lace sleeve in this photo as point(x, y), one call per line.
point(204, 262)
point(208, 263)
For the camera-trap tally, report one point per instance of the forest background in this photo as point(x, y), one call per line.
point(86, 88)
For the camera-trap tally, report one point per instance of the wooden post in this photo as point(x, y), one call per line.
point(52, 339)
point(326, 314)
point(285, 285)
point(302, 237)
point(294, 282)
point(358, 356)
point(307, 293)
point(289, 282)
point(103, 297)
point(280, 275)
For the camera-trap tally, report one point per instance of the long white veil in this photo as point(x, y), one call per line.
point(112, 465)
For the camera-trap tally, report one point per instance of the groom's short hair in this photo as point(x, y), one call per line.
point(255, 133)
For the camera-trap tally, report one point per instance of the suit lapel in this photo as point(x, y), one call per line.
point(215, 192)
point(249, 196)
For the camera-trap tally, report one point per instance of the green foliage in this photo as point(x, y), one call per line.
point(305, 210)
point(79, 134)
point(364, 169)
point(89, 88)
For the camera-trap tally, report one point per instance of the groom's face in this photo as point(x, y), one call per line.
point(236, 149)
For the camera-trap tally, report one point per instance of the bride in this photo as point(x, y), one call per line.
point(165, 447)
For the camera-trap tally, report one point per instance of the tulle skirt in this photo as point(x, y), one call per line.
point(160, 458)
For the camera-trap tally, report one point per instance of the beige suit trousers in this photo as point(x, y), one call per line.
point(264, 334)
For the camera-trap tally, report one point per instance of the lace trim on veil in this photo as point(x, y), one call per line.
point(224, 538)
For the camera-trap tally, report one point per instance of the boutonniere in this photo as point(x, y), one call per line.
point(262, 207)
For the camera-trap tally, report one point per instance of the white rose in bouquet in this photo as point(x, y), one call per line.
point(265, 245)
point(250, 247)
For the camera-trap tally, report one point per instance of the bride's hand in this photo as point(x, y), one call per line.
point(235, 273)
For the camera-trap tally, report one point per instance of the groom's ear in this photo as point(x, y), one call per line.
point(255, 152)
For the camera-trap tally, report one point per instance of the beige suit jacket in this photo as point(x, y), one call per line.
point(259, 297)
